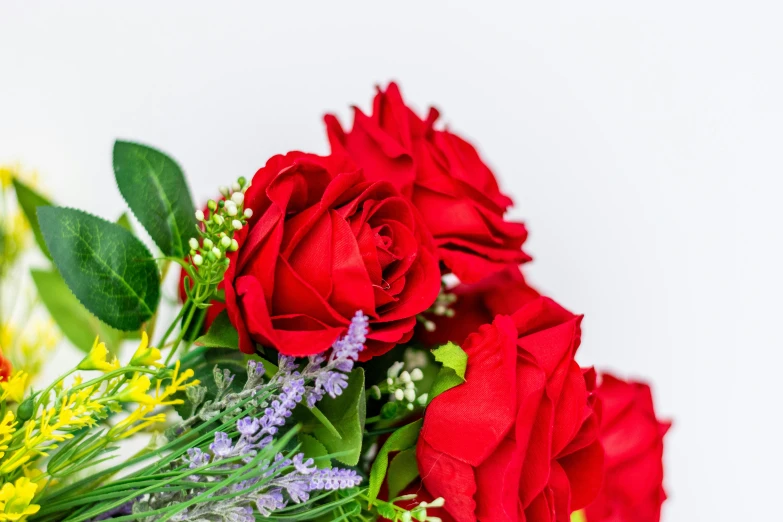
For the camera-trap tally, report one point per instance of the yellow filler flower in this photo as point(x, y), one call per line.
point(16, 499)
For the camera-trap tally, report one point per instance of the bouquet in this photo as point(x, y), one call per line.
point(340, 337)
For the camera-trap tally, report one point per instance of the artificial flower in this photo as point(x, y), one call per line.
point(98, 359)
point(322, 243)
point(14, 387)
point(452, 188)
point(146, 355)
point(16, 499)
point(518, 441)
point(632, 437)
point(503, 292)
point(6, 368)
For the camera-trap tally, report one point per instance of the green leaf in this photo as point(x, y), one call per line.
point(313, 449)
point(109, 270)
point(78, 325)
point(402, 439)
point(29, 201)
point(346, 414)
point(221, 334)
point(125, 222)
point(156, 192)
point(402, 471)
point(452, 373)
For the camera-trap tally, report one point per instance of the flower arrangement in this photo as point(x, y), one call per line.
point(352, 338)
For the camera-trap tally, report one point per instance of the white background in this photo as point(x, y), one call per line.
point(640, 140)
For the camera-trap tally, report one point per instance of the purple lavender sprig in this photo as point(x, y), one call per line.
point(332, 378)
point(280, 480)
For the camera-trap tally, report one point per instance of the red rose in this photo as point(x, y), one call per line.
point(518, 441)
point(6, 369)
point(632, 490)
point(324, 242)
point(503, 292)
point(455, 192)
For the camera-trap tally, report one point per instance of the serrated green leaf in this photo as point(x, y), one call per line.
point(346, 414)
point(452, 373)
point(29, 200)
point(109, 270)
point(221, 334)
point(402, 439)
point(402, 471)
point(158, 195)
point(78, 325)
point(313, 449)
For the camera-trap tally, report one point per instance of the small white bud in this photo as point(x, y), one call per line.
point(399, 395)
point(234, 245)
point(225, 242)
point(200, 215)
point(218, 219)
point(389, 381)
point(198, 260)
point(217, 252)
point(405, 377)
point(429, 326)
point(193, 242)
point(208, 243)
point(236, 224)
point(409, 406)
point(375, 392)
point(438, 502)
point(440, 310)
point(410, 395)
point(248, 213)
point(224, 190)
point(416, 374)
point(410, 386)
point(236, 187)
point(406, 516)
point(238, 198)
point(231, 210)
point(422, 400)
point(394, 369)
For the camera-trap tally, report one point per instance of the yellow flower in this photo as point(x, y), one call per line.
point(97, 359)
point(13, 388)
point(146, 355)
point(136, 390)
point(15, 499)
point(6, 176)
